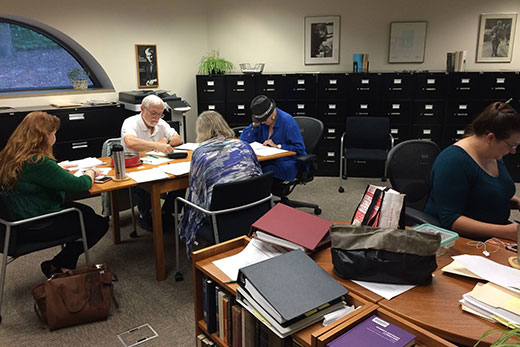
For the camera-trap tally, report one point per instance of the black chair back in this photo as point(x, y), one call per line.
point(367, 132)
point(408, 167)
point(238, 130)
point(312, 131)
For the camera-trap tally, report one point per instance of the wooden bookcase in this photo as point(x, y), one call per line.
point(203, 264)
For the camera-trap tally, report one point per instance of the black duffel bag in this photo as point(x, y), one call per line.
point(394, 256)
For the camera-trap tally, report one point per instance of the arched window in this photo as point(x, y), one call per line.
point(35, 57)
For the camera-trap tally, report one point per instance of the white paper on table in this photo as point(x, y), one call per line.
point(155, 160)
point(104, 171)
point(255, 252)
point(156, 153)
point(386, 290)
point(147, 175)
point(189, 146)
point(85, 163)
point(491, 271)
point(176, 169)
point(262, 150)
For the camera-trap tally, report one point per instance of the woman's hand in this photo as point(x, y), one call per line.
point(269, 143)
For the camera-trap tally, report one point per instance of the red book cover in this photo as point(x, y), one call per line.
point(293, 225)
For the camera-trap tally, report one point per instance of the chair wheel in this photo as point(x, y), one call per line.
point(383, 179)
point(317, 211)
point(0, 319)
point(341, 190)
point(133, 234)
point(179, 277)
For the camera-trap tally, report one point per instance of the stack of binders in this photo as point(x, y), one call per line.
point(288, 292)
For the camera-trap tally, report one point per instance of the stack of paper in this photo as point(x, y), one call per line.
point(189, 146)
point(176, 169)
point(147, 175)
point(262, 150)
point(85, 163)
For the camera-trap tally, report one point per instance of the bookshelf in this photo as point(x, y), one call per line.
point(202, 265)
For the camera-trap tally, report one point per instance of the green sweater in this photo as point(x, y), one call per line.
point(41, 188)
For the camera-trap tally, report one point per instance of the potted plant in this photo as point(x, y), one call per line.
point(79, 78)
point(213, 64)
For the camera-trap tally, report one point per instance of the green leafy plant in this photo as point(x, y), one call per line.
point(502, 340)
point(77, 74)
point(213, 64)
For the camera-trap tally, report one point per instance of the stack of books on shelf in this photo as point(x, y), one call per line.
point(456, 61)
point(494, 303)
point(288, 292)
point(375, 331)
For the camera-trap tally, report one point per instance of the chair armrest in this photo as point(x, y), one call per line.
point(302, 159)
point(40, 217)
point(414, 217)
point(228, 210)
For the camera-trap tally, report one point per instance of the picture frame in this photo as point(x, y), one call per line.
point(321, 40)
point(147, 70)
point(407, 42)
point(496, 38)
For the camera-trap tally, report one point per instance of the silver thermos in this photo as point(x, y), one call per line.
point(118, 157)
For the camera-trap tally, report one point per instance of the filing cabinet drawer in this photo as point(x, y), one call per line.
point(398, 111)
point(332, 111)
point(400, 133)
point(211, 88)
point(464, 84)
point(301, 86)
point(299, 107)
point(220, 107)
point(500, 85)
point(364, 108)
point(463, 112)
point(397, 85)
point(240, 87)
point(452, 134)
point(328, 161)
point(78, 149)
point(365, 168)
point(9, 123)
point(238, 112)
point(428, 112)
point(332, 134)
point(365, 85)
point(274, 86)
point(332, 86)
point(425, 132)
point(430, 85)
point(512, 162)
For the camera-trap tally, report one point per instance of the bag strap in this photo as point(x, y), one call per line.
point(368, 220)
point(39, 315)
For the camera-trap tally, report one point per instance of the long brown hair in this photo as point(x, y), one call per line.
point(211, 124)
point(28, 143)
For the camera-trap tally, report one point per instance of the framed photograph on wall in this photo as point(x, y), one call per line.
point(496, 37)
point(147, 73)
point(407, 42)
point(322, 40)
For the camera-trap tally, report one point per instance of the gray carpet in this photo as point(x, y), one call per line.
point(167, 306)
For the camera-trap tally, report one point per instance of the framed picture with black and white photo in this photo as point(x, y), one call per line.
point(322, 40)
point(496, 37)
point(147, 72)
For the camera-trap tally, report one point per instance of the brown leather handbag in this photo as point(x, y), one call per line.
point(74, 297)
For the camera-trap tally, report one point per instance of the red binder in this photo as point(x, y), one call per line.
point(293, 225)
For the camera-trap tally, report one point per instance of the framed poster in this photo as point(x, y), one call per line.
point(496, 37)
point(147, 73)
point(322, 40)
point(407, 42)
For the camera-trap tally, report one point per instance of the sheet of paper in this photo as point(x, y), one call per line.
point(262, 150)
point(161, 154)
point(150, 159)
point(497, 297)
point(147, 175)
point(85, 163)
point(491, 271)
point(254, 252)
point(104, 171)
point(457, 269)
point(176, 169)
point(386, 290)
point(189, 146)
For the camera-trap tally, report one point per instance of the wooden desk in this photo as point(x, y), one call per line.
point(155, 188)
point(436, 307)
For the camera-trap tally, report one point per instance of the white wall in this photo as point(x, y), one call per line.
point(250, 31)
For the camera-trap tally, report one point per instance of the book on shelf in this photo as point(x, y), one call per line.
point(300, 230)
point(236, 314)
point(375, 331)
point(210, 313)
point(225, 305)
point(218, 309)
point(248, 328)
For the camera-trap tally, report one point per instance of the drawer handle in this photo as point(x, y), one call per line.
point(77, 116)
point(239, 90)
point(210, 90)
point(428, 114)
point(78, 145)
point(269, 89)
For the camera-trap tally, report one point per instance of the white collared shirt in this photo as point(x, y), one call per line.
point(135, 126)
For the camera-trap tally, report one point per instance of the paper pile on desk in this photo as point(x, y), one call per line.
point(262, 150)
point(86, 163)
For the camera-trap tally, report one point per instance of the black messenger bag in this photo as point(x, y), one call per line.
point(394, 256)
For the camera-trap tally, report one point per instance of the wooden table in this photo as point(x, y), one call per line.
point(155, 188)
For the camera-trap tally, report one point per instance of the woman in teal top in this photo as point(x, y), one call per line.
point(471, 189)
point(35, 184)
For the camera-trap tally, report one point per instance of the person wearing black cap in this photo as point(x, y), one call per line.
point(275, 128)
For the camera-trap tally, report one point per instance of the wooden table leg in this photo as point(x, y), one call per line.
point(114, 207)
point(160, 269)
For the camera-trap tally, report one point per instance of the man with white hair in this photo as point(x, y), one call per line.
point(145, 132)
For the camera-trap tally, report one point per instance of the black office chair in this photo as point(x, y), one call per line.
point(12, 247)
point(312, 131)
point(124, 196)
point(234, 207)
point(366, 139)
point(408, 167)
point(238, 130)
